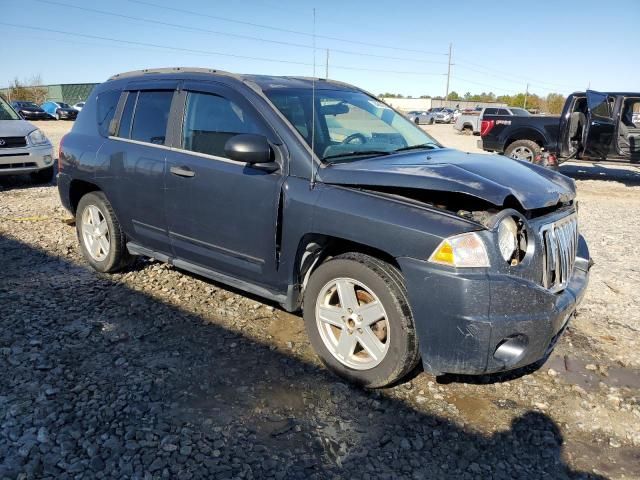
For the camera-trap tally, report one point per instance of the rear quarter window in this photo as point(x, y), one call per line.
point(107, 103)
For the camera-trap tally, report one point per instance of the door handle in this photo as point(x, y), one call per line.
point(182, 171)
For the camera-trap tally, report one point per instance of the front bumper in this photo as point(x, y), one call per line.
point(35, 115)
point(16, 161)
point(462, 318)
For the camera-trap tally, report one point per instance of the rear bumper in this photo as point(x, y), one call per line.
point(488, 145)
point(462, 318)
point(16, 161)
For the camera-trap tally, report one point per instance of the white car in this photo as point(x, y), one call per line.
point(23, 147)
point(420, 117)
point(78, 106)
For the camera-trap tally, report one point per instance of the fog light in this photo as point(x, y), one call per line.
point(48, 159)
point(511, 350)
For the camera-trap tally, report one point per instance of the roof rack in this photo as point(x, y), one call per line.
point(153, 71)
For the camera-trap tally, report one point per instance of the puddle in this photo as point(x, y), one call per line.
point(602, 459)
point(574, 371)
point(478, 411)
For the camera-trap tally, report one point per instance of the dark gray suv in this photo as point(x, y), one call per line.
point(318, 196)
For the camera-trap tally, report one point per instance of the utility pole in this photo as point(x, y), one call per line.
point(326, 66)
point(526, 94)
point(446, 97)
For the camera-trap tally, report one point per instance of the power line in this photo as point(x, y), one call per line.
point(228, 34)
point(279, 29)
point(209, 52)
point(504, 75)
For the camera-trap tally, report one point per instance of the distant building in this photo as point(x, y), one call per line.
point(67, 92)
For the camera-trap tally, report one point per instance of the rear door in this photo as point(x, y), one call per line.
point(136, 155)
point(600, 129)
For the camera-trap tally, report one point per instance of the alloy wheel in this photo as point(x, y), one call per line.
point(95, 233)
point(352, 323)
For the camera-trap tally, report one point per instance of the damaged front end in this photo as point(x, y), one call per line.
point(481, 312)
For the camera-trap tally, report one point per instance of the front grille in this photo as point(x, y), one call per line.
point(9, 166)
point(560, 244)
point(13, 142)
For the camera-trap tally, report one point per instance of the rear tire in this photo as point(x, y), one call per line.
point(102, 241)
point(379, 290)
point(526, 150)
point(42, 176)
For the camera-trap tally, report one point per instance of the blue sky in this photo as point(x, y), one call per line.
point(498, 46)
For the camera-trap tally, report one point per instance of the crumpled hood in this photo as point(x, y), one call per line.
point(492, 178)
point(15, 128)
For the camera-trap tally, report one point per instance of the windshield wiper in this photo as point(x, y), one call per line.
point(429, 146)
point(359, 153)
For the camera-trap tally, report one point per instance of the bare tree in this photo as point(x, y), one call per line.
point(28, 90)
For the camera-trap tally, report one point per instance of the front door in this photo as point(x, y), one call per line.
point(221, 213)
point(600, 131)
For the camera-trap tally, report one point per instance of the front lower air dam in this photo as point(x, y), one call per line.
point(511, 350)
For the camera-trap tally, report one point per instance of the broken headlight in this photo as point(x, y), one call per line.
point(512, 240)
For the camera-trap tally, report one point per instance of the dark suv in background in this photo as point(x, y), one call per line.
point(316, 195)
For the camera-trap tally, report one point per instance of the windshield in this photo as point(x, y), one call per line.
point(27, 105)
point(349, 125)
point(520, 112)
point(63, 105)
point(6, 112)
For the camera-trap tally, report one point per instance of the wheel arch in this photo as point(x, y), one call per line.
point(527, 134)
point(316, 248)
point(78, 189)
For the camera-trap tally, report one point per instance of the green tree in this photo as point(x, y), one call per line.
point(555, 103)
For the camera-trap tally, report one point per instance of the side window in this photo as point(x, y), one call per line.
point(151, 116)
point(292, 108)
point(599, 104)
point(490, 111)
point(210, 120)
point(124, 130)
point(502, 111)
point(107, 103)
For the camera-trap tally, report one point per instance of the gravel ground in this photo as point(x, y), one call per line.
point(156, 373)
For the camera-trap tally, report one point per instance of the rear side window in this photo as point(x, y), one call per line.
point(502, 111)
point(490, 111)
point(151, 116)
point(210, 120)
point(107, 103)
point(124, 130)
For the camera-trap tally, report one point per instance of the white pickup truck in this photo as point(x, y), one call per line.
point(470, 121)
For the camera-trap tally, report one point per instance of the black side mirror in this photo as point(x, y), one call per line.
point(248, 148)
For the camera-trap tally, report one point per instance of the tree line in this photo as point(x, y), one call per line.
point(552, 103)
point(28, 90)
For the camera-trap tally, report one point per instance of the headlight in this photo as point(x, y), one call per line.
point(37, 138)
point(466, 250)
point(507, 238)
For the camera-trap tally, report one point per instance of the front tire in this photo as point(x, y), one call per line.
point(359, 322)
point(42, 176)
point(101, 238)
point(526, 150)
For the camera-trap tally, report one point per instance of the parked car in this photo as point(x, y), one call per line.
point(30, 111)
point(60, 110)
point(23, 147)
point(78, 106)
point(444, 115)
point(421, 117)
point(396, 249)
point(593, 125)
point(470, 121)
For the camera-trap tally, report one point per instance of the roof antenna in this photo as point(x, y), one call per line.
point(312, 181)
